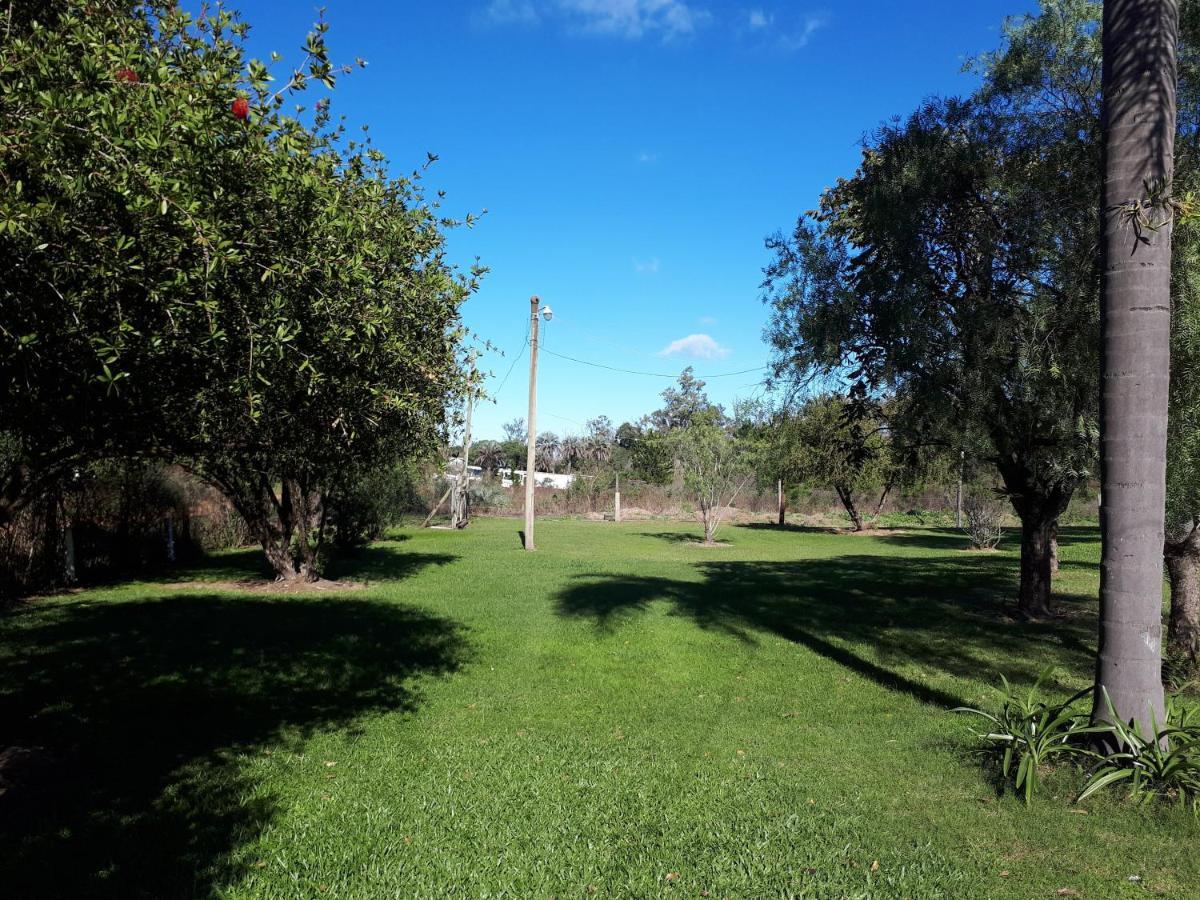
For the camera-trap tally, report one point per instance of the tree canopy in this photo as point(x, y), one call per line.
point(196, 272)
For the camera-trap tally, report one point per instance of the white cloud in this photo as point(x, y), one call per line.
point(646, 158)
point(629, 19)
point(708, 320)
point(646, 266)
point(760, 19)
point(811, 25)
point(697, 346)
point(511, 12)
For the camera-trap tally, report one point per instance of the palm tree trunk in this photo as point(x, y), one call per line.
point(1139, 78)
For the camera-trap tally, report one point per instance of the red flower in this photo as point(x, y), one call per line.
point(241, 108)
point(128, 76)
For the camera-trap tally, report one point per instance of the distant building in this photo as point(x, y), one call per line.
point(454, 466)
point(541, 479)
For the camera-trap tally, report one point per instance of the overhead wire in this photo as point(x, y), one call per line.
point(671, 375)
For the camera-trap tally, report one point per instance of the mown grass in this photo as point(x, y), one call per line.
point(621, 714)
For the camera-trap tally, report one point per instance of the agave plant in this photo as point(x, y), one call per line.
point(1029, 732)
point(1164, 766)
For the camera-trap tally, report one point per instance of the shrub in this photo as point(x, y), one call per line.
point(1165, 766)
point(373, 501)
point(984, 517)
point(1029, 732)
point(488, 493)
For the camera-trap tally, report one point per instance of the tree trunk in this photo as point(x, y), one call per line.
point(887, 489)
point(1138, 85)
point(273, 520)
point(1183, 570)
point(708, 515)
point(847, 498)
point(1033, 598)
point(1054, 547)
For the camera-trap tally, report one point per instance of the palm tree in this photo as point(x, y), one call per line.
point(546, 451)
point(1140, 39)
point(573, 451)
point(489, 455)
point(598, 449)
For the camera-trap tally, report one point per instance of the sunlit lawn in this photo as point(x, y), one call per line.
point(622, 714)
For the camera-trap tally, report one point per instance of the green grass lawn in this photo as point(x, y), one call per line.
point(623, 713)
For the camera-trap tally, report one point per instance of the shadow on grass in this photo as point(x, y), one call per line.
point(691, 536)
point(383, 561)
point(890, 619)
point(139, 716)
point(798, 529)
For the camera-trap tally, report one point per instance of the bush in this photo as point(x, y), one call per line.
point(1028, 732)
point(983, 520)
point(1165, 766)
point(370, 503)
point(488, 493)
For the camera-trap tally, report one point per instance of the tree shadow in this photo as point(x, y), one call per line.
point(380, 562)
point(135, 719)
point(682, 537)
point(789, 526)
point(893, 620)
point(945, 539)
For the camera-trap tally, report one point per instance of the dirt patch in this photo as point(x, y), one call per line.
point(260, 586)
point(715, 545)
point(874, 532)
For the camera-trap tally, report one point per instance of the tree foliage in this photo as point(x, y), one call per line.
point(829, 443)
point(958, 266)
point(255, 296)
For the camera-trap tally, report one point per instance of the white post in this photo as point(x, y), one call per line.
point(617, 500)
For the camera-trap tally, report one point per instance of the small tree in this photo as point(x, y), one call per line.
point(832, 441)
point(716, 465)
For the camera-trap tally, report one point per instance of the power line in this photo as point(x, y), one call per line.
point(516, 359)
point(584, 362)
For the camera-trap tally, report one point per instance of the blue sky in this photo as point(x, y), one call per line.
point(631, 156)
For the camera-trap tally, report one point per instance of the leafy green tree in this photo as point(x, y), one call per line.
point(828, 442)
point(120, 159)
point(192, 273)
point(716, 462)
point(682, 402)
point(957, 267)
point(642, 453)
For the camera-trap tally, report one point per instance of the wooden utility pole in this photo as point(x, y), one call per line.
point(459, 516)
point(531, 436)
point(779, 499)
